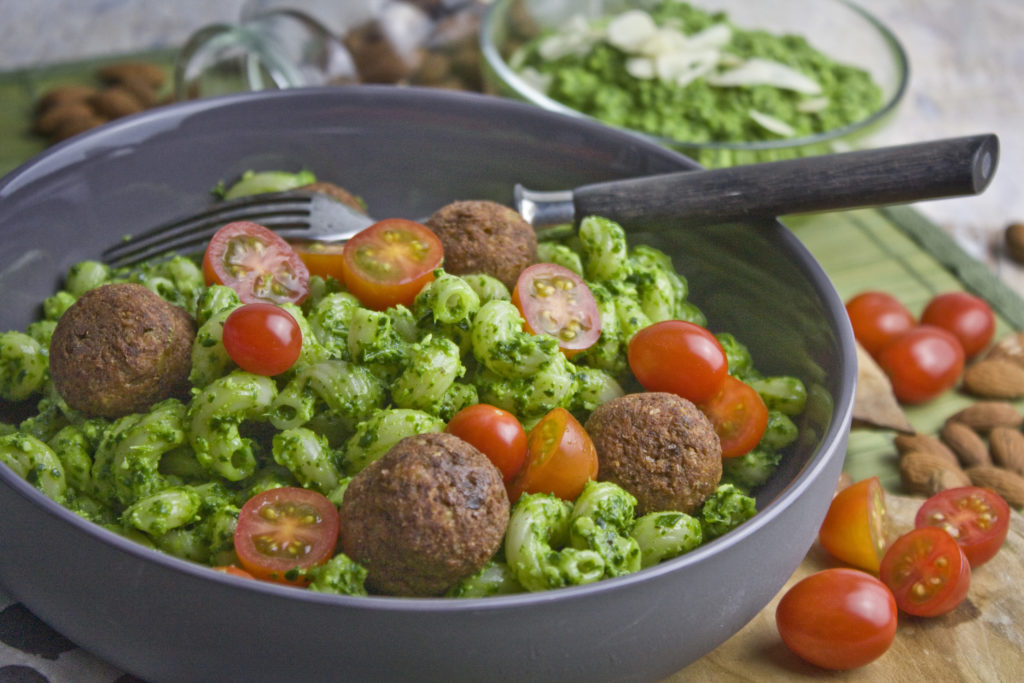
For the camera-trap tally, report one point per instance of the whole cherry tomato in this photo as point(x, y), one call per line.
point(257, 263)
point(557, 302)
point(496, 433)
point(560, 458)
point(389, 262)
point(922, 363)
point(968, 317)
point(877, 318)
point(739, 416)
point(262, 338)
point(678, 357)
point(837, 618)
point(927, 572)
point(977, 518)
point(855, 527)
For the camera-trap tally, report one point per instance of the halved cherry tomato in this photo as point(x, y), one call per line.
point(877, 318)
point(557, 302)
point(837, 618)
point(739, 416)
point(285, 530)
point(968, 317)
point(257, 263)
point(855, 527)
point(321, 258)
point(496, 433)
point(560, 458)
point(679, 357)
point(389, 262)
point(926, 571)
point(922, 363)
point(234, 571)
point(262, 338)
point(977, 518)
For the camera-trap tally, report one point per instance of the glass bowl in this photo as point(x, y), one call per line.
point(836, 28)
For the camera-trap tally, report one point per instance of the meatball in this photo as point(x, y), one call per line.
point(658, 446)
point(429, 512)
point(481, 236)
point(120, 348)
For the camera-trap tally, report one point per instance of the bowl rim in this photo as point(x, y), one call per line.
point(497, 63)
point(831, 444)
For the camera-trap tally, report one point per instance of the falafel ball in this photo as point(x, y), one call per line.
point(658, 446)
point(481, 236)
point(337, 193)
point(429, 512)
point(119, 349)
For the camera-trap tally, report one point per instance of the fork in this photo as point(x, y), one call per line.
point(679, 200)
point(292, 214)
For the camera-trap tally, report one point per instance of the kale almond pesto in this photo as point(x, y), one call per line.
point(690, 75)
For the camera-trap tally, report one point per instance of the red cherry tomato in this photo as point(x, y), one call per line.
point(679, 357)
point(284, 530)
point(560, 458)
point(388, 263)
point(234, 571)
point(739, 416)
point(968, 317)
point(557, 302)
point(837, 618)
point(922, 363)
point(496, 433)
point(257, 263)
point(977, 518)
point(321, 258)
point(926, 571)
point(855, 527)
point(262, 338)
point(877, 318)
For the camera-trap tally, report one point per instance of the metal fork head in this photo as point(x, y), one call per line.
point(292, 214)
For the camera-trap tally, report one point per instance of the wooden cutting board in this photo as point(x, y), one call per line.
point(981, 640)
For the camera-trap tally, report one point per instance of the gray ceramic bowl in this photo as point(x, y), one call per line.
point(407, 152)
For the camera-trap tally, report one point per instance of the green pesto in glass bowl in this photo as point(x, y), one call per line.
point(725, 82)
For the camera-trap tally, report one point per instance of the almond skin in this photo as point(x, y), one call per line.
point(984, 416)
point(908, 443)
point(1007, 484)
point(969, 447)
point(996, 378)
point(1006, 446)
point(923, 473)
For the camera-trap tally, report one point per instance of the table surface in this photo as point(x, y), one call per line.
point(963, 55)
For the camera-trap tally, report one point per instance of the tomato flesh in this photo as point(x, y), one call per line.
point(739, 416)
point(321, 258)
point(262, 338)
point(257, 263)
point(282, 531)
point(977, 518)
point(837, 618)
point(877, 318)
point(560, 458)
point(679, 357)
point(855, 527)
point(922, 363)
point(927, 572)
point(557, 302)
point(388, 263)
point(496, 433)
point(969, 318)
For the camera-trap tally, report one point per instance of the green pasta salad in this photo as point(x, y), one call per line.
point(398, 416)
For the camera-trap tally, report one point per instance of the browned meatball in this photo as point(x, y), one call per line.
point(481, 236)
point(120, 348)
point(429, 512)
point(659, 447)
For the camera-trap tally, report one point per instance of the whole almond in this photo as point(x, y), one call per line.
point(984, 416)
point(120, 71)
point(115, 102)
point(1009, 347)
point(1007, 484)
point(1006, 446)
point(1014, 241)
point(49, 120)
point(925, 474)
point(926, 443)
point(74, 126)
point(969, 447)
point(63, 94)
point(994, 378)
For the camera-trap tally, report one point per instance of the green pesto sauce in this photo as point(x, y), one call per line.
point(598, 84)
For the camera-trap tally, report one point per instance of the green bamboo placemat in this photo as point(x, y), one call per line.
point(896, 249)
